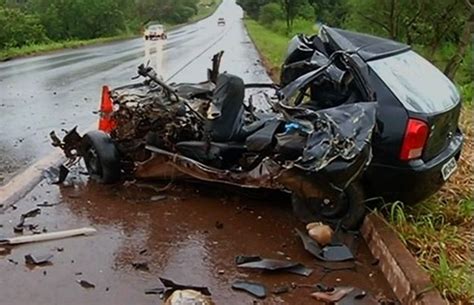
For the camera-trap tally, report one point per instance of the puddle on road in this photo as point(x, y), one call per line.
point(192, 237)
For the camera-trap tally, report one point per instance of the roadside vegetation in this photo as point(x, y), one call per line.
point(33, 26)
point(438, 231)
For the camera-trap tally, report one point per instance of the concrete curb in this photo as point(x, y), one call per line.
point(20, 185)
point(409, 282)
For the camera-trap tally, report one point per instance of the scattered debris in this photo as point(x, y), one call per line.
point(330, 253)
point(333, 295)
point(142, 266)
point(320, 232)
point(219, 225)
point(86, 284)
point(188, 297)
point(46, 236)
point(4, 251)
point(172, 286)
point(281, 290)
point(256, 262)
point(12, 261)
point(38, 259)
point(55, 175)
point(46, 204)
point(30, 214)
point(158, 198)
point(155, 291)
point(142, 252)
point(256, 289)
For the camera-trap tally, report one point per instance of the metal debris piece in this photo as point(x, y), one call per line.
point(256, 289)
point(142, 266)
point(158, 290)
point(256, 262)
point(331, 253)
point(332, 296)
point(38, 259)
point(172, 286)
point(268, 264)
point(86, 284)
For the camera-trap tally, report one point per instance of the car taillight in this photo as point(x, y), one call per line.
point(414, 139)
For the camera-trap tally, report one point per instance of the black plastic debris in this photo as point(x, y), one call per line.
point(256, 262)
point(219, 225)
point(242, 259)
point(56, 175)
point(142, 266)
point(330, 253)
point(38, 259)
point(256, 289)
point(30, 214)
point(172, 286)
point(86, 284)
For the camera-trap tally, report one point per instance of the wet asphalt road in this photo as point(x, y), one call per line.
point(177, 237)
point(62, 89)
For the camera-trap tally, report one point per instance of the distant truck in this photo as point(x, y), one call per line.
point(155, 31)
point(221, 22)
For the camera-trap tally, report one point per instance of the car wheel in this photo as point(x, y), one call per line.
point(348, 210)
point(101, 157)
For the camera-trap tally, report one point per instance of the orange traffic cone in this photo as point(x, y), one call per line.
point(106, 122)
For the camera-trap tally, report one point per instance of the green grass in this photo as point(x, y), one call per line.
point(53, 46)
point(438, 231)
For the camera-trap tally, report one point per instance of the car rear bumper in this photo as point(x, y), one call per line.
point(414, 182)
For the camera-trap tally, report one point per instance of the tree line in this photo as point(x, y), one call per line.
point(24, 22)
point(431, 24)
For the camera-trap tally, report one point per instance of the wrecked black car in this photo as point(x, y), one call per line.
point(418, 140)
point(211, 132)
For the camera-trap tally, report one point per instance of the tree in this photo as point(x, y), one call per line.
point(290, 11)
point(269, 13)
point(330, 12)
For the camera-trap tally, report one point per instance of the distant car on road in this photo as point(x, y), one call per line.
point(155, 31)
point(221, 21)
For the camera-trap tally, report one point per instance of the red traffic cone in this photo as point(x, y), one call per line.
point(106, 122)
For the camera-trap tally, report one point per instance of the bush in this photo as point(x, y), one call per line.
point(19, 29)
point(269, 13)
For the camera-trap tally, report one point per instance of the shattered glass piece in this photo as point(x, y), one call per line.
point(337, 253)
point(254, 288)
point(300, 270)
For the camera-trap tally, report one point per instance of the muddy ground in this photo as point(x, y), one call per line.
point(191, 235)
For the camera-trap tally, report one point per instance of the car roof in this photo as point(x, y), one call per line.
point(367, 46)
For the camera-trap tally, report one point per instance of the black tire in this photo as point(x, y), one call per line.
point(101, 157)
point(348, 212)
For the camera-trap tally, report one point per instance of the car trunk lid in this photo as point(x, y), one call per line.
point(443, 127)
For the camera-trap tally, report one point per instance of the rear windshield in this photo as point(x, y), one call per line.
point(419, 85)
